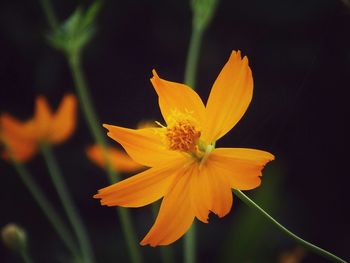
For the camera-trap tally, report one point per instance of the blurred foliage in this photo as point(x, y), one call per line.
point(76, 31)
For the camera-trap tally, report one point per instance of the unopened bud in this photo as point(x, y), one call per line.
point(14, 237)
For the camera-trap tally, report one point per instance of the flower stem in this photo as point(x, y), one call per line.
point(74, 60)
point(192, 57)
point(190, 245)
point(129, 233)
point(67, 203)
point(299, 240)
point(47, 208)
point(190, 80)
point(49, 13)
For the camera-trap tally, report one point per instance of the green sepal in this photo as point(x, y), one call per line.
point(76, 31)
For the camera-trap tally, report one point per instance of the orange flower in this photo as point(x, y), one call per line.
point(187, 170)
point(20, 148)
point(22, 138)
point(119, 160)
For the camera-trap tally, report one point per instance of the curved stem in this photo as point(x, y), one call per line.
point(74, 60)
point(67, 203)
point(48, 209)
point(299, 240)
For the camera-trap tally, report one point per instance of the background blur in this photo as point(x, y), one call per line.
point(299, 52)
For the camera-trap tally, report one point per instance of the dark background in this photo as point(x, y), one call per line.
point(299, 52)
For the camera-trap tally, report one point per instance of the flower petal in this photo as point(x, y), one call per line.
point(200, 191)
point(241, 166)
point(229, 97)
point(175, 215)
point(119, 160)
point(63, 120)
point(145, 146)
point(16, 127)
point(42, 118)
point(18, 138)
point(19, 148)
point(141, 189)
point(211, 191)
point(175, 97)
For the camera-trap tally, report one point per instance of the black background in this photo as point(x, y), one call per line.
point(299, 52)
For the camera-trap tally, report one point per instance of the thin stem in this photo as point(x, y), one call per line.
point(47, 208)
point(130, 236)
point(74, 61)
point(190, 245)
point(49, 13)
point(96, 130)
point(192, 57)
point(67, 203)
point(84, 99)
point(299, 240)
point(190, 79)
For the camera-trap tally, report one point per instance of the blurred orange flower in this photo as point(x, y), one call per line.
point(119, 160)
point(21, 139)
point(193, 177)
point(20, 148)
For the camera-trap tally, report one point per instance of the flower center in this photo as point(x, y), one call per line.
point(182, 136)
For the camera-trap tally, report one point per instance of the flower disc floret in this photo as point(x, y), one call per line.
point(183, 136)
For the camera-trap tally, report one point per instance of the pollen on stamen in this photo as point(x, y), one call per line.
point(183, 136)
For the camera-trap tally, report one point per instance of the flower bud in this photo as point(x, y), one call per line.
point(14, 237)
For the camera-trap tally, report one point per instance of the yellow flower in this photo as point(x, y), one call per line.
point(193, 176)
point(21, 139)
point(119, 160)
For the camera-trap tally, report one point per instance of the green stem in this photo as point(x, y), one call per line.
point(47, 208)
point(67, 203)
point(49, 13)
point(74, 60)
point(190, 80)
point(192, 56)
point(190, 245)
point(130, 236)
point(299, 240)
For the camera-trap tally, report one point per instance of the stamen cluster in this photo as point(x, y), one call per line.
point(182, 136)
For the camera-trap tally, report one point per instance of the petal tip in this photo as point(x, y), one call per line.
point(154, 72)
point(106, 126)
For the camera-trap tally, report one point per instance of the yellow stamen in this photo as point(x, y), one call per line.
point(182, 136)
